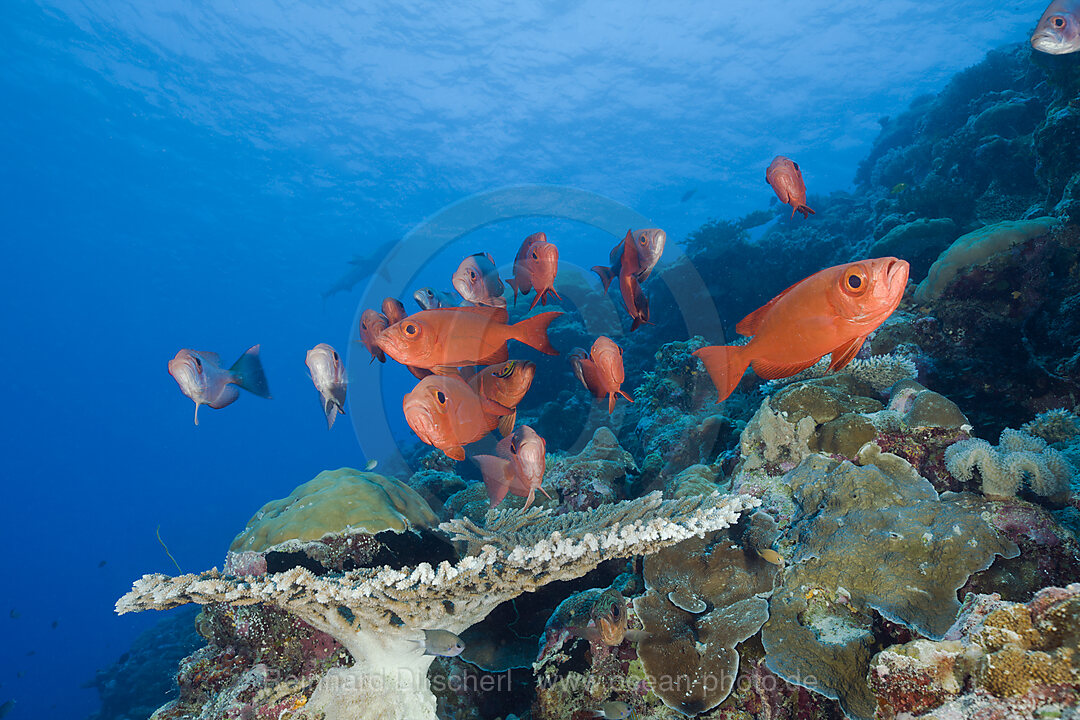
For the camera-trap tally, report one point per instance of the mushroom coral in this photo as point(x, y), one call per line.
point(379, 614)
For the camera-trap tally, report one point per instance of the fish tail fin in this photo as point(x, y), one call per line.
point(605, 275)
point(726, 365)
point(533, 331)
point(497, 474)
point(247, 372)
point(805, 209)
point(638, 322)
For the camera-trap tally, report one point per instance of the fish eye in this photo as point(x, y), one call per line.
point(535, 256)
point(1058, 21)
point(410, 329)
point(472, 276)
point(198, 362)
point(514, 447)
point(440, 397)
point(795, 165)
point(854, 281)
point(334, 353)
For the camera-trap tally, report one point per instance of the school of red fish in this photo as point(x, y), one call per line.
point(459, 347)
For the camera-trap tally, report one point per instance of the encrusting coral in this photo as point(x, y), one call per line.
point(379, 614)
point(1018, 456)
point(999, 660)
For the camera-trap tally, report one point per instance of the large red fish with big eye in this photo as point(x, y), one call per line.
point(832, 311)
point(535, 267)
point(444, 339)
point(446, 413)
point(372, 323)
point(786, 180)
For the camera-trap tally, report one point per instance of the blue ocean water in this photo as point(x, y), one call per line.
point(199, 174)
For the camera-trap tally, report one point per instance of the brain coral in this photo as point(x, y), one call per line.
point(974, 248)
point(333, 502)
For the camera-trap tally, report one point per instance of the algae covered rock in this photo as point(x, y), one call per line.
point(977, 246)
point(919, 242)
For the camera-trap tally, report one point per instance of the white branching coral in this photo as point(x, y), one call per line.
point(378, 614)
point(1017, 457)
point(880, 372)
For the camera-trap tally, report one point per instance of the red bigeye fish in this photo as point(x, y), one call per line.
point(832, 311)
point(328, 375)
point(786, 180)
point(506, 384)
point(201, 377)
point(535, 267)
point(447, 338)
point(477, 281)
point(518, 469)
point(632, 261)
point(601, 370)
point(393, 310)
point(372, 323)
point(1058, 31)
point(446, 413)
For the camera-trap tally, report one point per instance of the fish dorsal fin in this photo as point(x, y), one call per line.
point(495, 314)
point(774, 371)
point(844, 354)
point(750, 324)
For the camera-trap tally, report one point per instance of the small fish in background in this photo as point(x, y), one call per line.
point(477, 281)
point(328, 375)
point(101, 564)
point(201, 377)
point(786, 180)
point(832, 311)
point(613, 710)
point(14, 614)
point(898, 188)
point(445, 339)
point(517, 469)
point(8, 706)
point(771, 556)
point(601, 370)
point(535, 268)
point(634, 300)
point(371, 465)
point(1058, 31)
point(442, 643)
point(447, 414)
point(55, 624)
point(372, 323)
point(505, 383)
point(393, 310)
point(431, 299)
point(688, 194)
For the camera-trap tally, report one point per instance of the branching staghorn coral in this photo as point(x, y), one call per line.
point(378, 614)
point(880, 372)
point(1017, 457)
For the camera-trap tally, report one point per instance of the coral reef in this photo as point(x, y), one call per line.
point(999, 660)
point(1017, 457)
point(379, 614)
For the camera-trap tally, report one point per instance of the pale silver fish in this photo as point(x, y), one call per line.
point(431, 299)
point(613, 710)
point(201, 377)
point(1058, 31)
point(477, 280)
point(328, 374)
point(519, 467)
point(442, 642)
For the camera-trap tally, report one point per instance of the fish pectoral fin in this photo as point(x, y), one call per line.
point(446, 370)
point(506, 423)
point(770, 370)
point(196, 413)
point(844, 354)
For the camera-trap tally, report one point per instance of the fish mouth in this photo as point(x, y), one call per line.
point(421, 422)
point(1049, 41)
point(896, 275)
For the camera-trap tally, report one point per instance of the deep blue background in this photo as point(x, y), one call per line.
point(191, 176)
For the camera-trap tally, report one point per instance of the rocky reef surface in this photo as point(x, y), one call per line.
point(897, 540)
